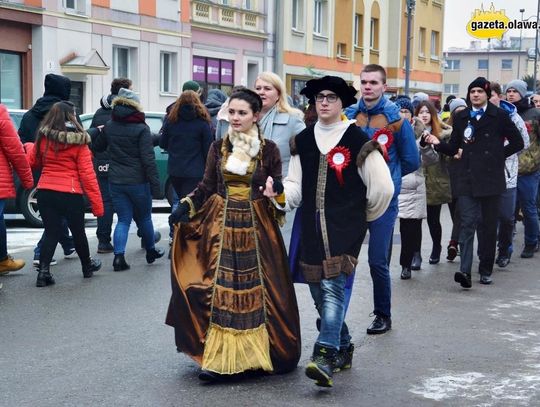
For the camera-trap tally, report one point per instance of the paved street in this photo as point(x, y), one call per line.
point(103, 341)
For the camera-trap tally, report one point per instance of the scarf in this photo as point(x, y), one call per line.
point(267, 122)
point(245, 146)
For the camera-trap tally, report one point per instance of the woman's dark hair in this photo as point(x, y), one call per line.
point(247, 95)
point(190, 98)
point(436, 127)
point(61, 117)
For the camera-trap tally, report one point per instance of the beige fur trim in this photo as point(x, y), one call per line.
point(66, 137)
point(119, 100)
point(367, 148)
point(245, 146)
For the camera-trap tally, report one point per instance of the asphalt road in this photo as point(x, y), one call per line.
point(103, 341)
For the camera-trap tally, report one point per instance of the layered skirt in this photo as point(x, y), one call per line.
point(233, 304)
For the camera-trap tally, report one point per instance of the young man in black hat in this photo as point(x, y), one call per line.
point(480, 130)
point(341, 186)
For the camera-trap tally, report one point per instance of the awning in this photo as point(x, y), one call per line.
point(90, 64)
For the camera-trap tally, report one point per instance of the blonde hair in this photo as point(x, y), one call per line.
point(282, 105)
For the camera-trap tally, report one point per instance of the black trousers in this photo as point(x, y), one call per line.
point(411, 240)
point(434, 221)
point(53, 206)
point(184, 185)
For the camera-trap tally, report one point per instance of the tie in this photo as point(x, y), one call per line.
point(478, 113)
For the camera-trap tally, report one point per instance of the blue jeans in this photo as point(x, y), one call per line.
point(379, 251)
point(130, 201)
point(507, 208)
point(527, 189)
point(3, 233)
point(65, 240)
point(329, 298)
point(175, 202)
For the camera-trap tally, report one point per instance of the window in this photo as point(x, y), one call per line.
point(374, 34)
point(166, 69)
point(75, 6)
point(422, 42)
point(506, 64)
point(434, 45)
point(452, 88)
point(11, 79)
point(453, 64)
point(248, 4)
point(212, 73)
point(121, 64)
point(318, 18)
point(341, 50)
point(297, 15)
point(358, 27)
point(483, 64)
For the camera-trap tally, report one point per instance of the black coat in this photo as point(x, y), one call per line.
point(102, 116)
point(187, 141)
point(57, 88)
point(480, 171)
point(129, 141)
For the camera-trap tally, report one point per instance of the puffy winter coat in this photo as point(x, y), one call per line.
point(412, 197)
point(65, 161)
point(102, 116)
point(187, 141)
point(438, 190)
point(529, 160)
point(57, 88)
point(130, 145)
point(12, 157)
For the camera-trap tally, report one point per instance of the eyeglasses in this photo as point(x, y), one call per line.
point(330, 98)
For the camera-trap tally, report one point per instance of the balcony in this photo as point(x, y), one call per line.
point(219, 17)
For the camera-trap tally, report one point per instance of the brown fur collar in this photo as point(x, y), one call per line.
point(66, 137)
point(367, 149)
point(418, 127)
point(119, 100)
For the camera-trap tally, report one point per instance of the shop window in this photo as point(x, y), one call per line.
point(11, 80)
point(214, 73)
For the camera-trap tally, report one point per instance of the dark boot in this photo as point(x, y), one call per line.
point(90, 266)
point(405, 273)
point(435, 256)
point(44, 277)
point(416, 261)
point(153, 254)
point(119, 263)
point(321, 367)
point(343, 358)
point(528, 251)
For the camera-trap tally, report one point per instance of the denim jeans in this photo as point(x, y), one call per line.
point(527, 189)
point(130, 201)
point(481, 212)
point(507, 208)
point(104, 223)
point(175, 202)
point(65, 240)
point(3, 233)
point(329, 297)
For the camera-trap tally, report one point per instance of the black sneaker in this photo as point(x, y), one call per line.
point(463, 279)
point(321, 367)
point(405, 273)
point(343, 359)
point(528, 251)
point(452, 250)
point(105, 247)
point(502, 261)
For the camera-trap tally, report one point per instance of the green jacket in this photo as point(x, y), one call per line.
point(438, 190)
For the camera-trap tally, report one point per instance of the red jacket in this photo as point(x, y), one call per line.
point(11, 157)
point(66, 165)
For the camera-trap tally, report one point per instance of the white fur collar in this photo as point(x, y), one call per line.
point(245, 147)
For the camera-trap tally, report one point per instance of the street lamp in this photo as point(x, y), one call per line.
point(536, 46)
point(521, 10)
point(410, 8)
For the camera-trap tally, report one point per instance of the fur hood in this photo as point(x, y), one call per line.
point(66, 137)
point(122, 101)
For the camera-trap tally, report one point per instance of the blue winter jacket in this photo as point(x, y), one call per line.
point(403, 153)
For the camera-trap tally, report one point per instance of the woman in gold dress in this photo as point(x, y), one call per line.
point(233, 304)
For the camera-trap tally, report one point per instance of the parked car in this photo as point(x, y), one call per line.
point(154, 121)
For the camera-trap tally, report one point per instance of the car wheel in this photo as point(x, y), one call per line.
point(29, 209)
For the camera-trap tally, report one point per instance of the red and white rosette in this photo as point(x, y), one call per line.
point(385, 138)
point(338, 159)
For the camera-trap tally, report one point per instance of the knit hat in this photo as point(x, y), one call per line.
point(334, 83)
point(519, 85)
point(404, 103)
point(482, 83)
point(455, 103)
point(128, 94)
point(191, 85)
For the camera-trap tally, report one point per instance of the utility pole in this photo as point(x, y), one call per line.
point(521, 10)
point(536, 47)
point(410, 8)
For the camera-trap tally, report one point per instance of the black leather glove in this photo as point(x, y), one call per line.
point(277, 187)
point(423, 139)
point(181, 214)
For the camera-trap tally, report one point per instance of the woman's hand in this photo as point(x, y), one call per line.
point(431, 139)
point(268, 189)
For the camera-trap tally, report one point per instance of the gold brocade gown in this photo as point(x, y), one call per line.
point(233, 304)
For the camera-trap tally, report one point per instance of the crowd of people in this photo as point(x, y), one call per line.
point(248, 169)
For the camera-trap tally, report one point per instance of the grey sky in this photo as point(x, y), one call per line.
point(458, 12)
